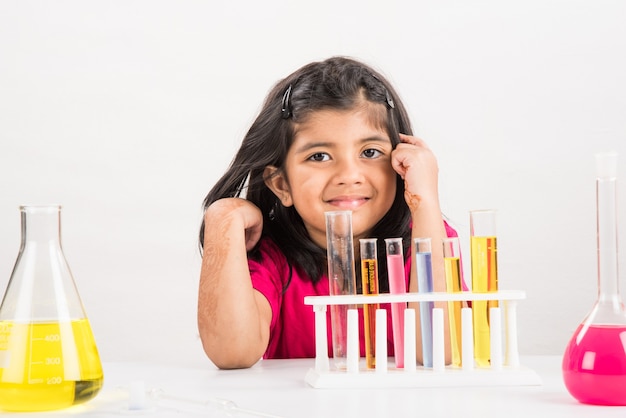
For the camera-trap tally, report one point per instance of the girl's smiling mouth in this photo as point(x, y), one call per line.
point(348, 202)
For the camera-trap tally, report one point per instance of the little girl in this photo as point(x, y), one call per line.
point(333, 135)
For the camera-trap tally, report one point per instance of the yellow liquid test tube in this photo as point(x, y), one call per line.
point(452, 264)
point(483, 245)
point(369, 278)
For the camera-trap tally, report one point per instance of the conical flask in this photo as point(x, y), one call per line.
point(48, 356)
point(594, 363)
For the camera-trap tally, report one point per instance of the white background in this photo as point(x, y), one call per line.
point(126, 112)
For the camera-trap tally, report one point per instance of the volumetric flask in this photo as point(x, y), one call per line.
point(341, 278)
point(594, 363)
point(484, 252)
point(48, 356)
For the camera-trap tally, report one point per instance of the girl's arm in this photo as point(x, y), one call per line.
point(417, 165)
point(233, 318)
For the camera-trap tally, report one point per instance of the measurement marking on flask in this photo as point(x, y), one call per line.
point(55, 380)
point(51, 337)
point(41, 368)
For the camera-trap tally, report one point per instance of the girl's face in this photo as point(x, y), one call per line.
point(338, 161)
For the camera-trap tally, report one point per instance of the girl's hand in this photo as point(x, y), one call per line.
point(224, 214)
point(417, 165)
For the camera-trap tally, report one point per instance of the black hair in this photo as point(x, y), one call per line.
point(336, 83)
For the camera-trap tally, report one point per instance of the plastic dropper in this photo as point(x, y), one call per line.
point(139, 398)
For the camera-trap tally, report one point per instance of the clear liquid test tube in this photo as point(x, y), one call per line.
point(341, 277)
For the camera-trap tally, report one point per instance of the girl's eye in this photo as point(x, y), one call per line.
point(371, 153)
point(319, 156)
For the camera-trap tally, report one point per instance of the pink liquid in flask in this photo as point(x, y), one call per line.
point(594, 365)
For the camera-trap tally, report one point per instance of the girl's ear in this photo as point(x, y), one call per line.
point(275, 180)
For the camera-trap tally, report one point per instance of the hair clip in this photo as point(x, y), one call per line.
point(242, 189)
point(389, 100)
point(286, 105)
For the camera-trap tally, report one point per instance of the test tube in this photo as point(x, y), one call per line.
point(452, 263)
point(397, 285)
point(483, 247)
point(423, 265)
point(341, 277)
point(369, 279)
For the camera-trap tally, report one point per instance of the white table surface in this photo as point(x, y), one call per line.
point(276, 388)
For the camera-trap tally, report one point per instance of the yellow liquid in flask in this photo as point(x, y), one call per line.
point(47, 365)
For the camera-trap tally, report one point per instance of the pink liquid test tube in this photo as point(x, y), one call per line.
point(397, 285)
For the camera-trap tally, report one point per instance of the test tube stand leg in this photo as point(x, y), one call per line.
point(467, 339)
point(439, 357)
point(495, 325)
point(352, 355)
point(381, 341)
point(410, 359)
point(322, 364)
point(510, 314)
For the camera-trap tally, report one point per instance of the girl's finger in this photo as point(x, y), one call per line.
point(408, 139)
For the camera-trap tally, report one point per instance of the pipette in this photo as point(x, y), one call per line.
point(142, 401)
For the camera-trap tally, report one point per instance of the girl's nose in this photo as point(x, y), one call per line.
point(348, 171)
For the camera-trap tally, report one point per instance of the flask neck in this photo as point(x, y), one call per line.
point(608, 278)
point(41, 224)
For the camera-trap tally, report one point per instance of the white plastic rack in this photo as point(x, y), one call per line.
point(503, 370)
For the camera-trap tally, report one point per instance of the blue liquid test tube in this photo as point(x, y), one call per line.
point(423, 265)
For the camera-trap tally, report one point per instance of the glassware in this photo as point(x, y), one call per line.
point(483, 248)
point(424, 270)
point(341, 278)
point(594, 363)
point(452, 266)
point(397, 285)
point(369, 278)
point(48, 356)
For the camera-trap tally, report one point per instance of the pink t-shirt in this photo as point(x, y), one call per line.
point(292, 330)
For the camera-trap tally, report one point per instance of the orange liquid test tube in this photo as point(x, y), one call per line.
point(369, 278)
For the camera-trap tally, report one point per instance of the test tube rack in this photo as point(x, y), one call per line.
point(504, 370)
